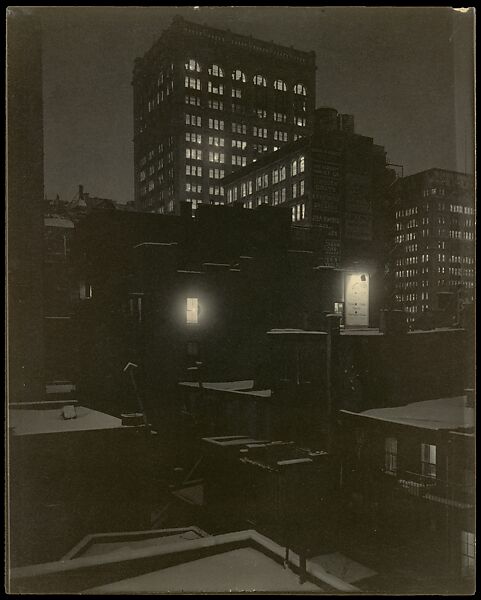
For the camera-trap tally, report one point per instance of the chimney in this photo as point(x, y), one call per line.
point(81, 191)
point(325, 119)
point(346, 123)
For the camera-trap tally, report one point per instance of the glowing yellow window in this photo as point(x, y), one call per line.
point(192, 310)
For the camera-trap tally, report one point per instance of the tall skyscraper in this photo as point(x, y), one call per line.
point(208, 101)
point(434, 243)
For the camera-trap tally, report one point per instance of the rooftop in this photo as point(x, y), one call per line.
point(439, 414)
point(180, 25)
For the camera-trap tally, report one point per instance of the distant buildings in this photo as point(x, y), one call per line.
point(207, 102)
point(332, 181)
point(433, 256)
point(61, 290)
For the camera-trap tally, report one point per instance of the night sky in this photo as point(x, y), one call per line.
point(405, 74)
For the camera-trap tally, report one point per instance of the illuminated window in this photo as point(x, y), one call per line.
point(192, 65)
point(192, 83)
point(192, 313)
point(428, 460)
point(215, 88)
point(390, 455)
point(260, 80)
point(216, 124)
point(216, 141)
point(300, 89)
point(280, 85)
point(85, 291)
point(238, 75)
point(239, 161)
point(216, 71)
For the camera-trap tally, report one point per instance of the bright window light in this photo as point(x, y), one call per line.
point(192, 310)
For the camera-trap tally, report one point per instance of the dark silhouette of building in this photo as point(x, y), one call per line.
point(433, 256)
point(208, 101)
point(409, 486)
point(332, 181)
point(24, 207)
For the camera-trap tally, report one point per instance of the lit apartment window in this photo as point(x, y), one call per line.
point(193, 153)
point(280, 117)
point(390, 455)
point(238, 75)
point(216, 71)
point(236, 93)
point(216, 104)
point(301, 164)
point(86, 292)
point(298, 212)
point(280, 136)
point(195, 188)
point(192, 65)
point(260, 132)
point(216, 173)
point(216, 141)
point(301, 187)
point(300, 89)
point(192, 83)
point(301, 121)
point(194, 120)
point(215, 88)
point(428, 460)
point(193, 100)
point(195, 138)
point(193, 170)
point(216, 124)
point(294, 168)
point(280, 85)
point(216, 157)
point(239, 161)
point(260, 80)
point(239, 128)
point(282, 173)
point(240, 144)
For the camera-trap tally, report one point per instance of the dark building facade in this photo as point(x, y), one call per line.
point(207, 102)
point(433, 256)
point(24, 208)
point(164, 293)
point(332, 181)
point(409, 480)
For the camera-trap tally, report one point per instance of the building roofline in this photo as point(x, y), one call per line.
point(226, 35)
point(436, 169)
point(267, 159)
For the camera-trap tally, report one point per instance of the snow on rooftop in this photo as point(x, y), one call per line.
point(296, 331)
point(438, 414)
point(245, 384)
point(58, 221)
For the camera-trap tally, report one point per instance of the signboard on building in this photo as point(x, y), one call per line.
point(356, 300)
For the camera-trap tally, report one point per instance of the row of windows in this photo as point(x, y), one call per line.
point(262, 132)
point(238, 75)
point(298, 212)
